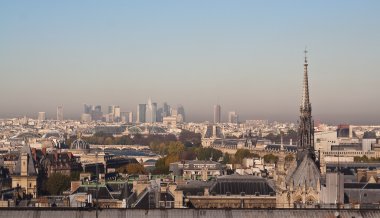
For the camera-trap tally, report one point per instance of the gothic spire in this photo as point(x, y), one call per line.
point(306, 123)
point(305, 104)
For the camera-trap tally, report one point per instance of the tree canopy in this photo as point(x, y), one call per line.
point(243, 153)
point(57, 183)
point(270, 158)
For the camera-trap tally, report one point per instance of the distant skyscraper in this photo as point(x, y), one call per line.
point(117, 113)
point(98, 108)
point(60, 113)
point(111, 109)
point(151, 115)
point(141, 113)
point(130, 117)
point(96, 113)
point(217, 113)
point(159, 114)
point(181, 112)
point(126, 117)
point(87, 109)
point(233, 117)
point(154, 112)
point(166, 110)
point(41, 116)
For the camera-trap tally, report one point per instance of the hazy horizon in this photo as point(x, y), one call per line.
point(246, 56)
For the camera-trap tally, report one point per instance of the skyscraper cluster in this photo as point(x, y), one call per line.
point(150, 113)
point(233, 117)
point(92, 112)
point(146, 113)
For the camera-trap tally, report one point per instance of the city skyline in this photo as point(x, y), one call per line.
point(251, 60)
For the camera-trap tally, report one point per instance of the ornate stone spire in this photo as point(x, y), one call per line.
point(305, 104)
point(306, 123)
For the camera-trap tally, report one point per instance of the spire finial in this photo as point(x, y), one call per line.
point(305, 54)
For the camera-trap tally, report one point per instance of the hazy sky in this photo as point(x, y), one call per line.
point(245, 55)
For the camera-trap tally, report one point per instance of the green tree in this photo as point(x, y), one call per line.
point(135, 168)
point(57, 183)
point(243, 153)
point(208, 153)
point(289, 158)
point(175, 148)
point(227, 158)
point(270, 158)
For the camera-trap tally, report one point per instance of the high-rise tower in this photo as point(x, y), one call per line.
point(60, 113)
point(217, 113)
point(306, 123)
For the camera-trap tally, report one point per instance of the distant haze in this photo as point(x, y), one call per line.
point(246, 56)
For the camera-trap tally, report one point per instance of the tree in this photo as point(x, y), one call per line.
point(270, 158)
point(189, 138)
point(289, 158)
point(175, 148)
point(57, 183)
point(135, 168)
point(226, 158)
point(243, 153)
point(208, 153)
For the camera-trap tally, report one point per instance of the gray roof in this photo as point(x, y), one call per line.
point(306, 173)
point(31, 169)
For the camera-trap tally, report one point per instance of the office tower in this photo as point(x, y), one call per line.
point(130, 117)
point(112, 108)
point(96, 113)
point(41, 116)
point(181, 112)
point(306, 123)
point(87, 109)
point(166, 110)
point(159, 114)
point(117, 113)
point(60, 113)
point(217, 113)
point(141, 113)
point(233, 117)
point(151, 113)
point(126, 117)
point(98, 108)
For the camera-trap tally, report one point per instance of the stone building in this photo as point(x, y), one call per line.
point(24, 178)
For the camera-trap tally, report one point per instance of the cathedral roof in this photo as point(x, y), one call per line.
point(306, 173)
